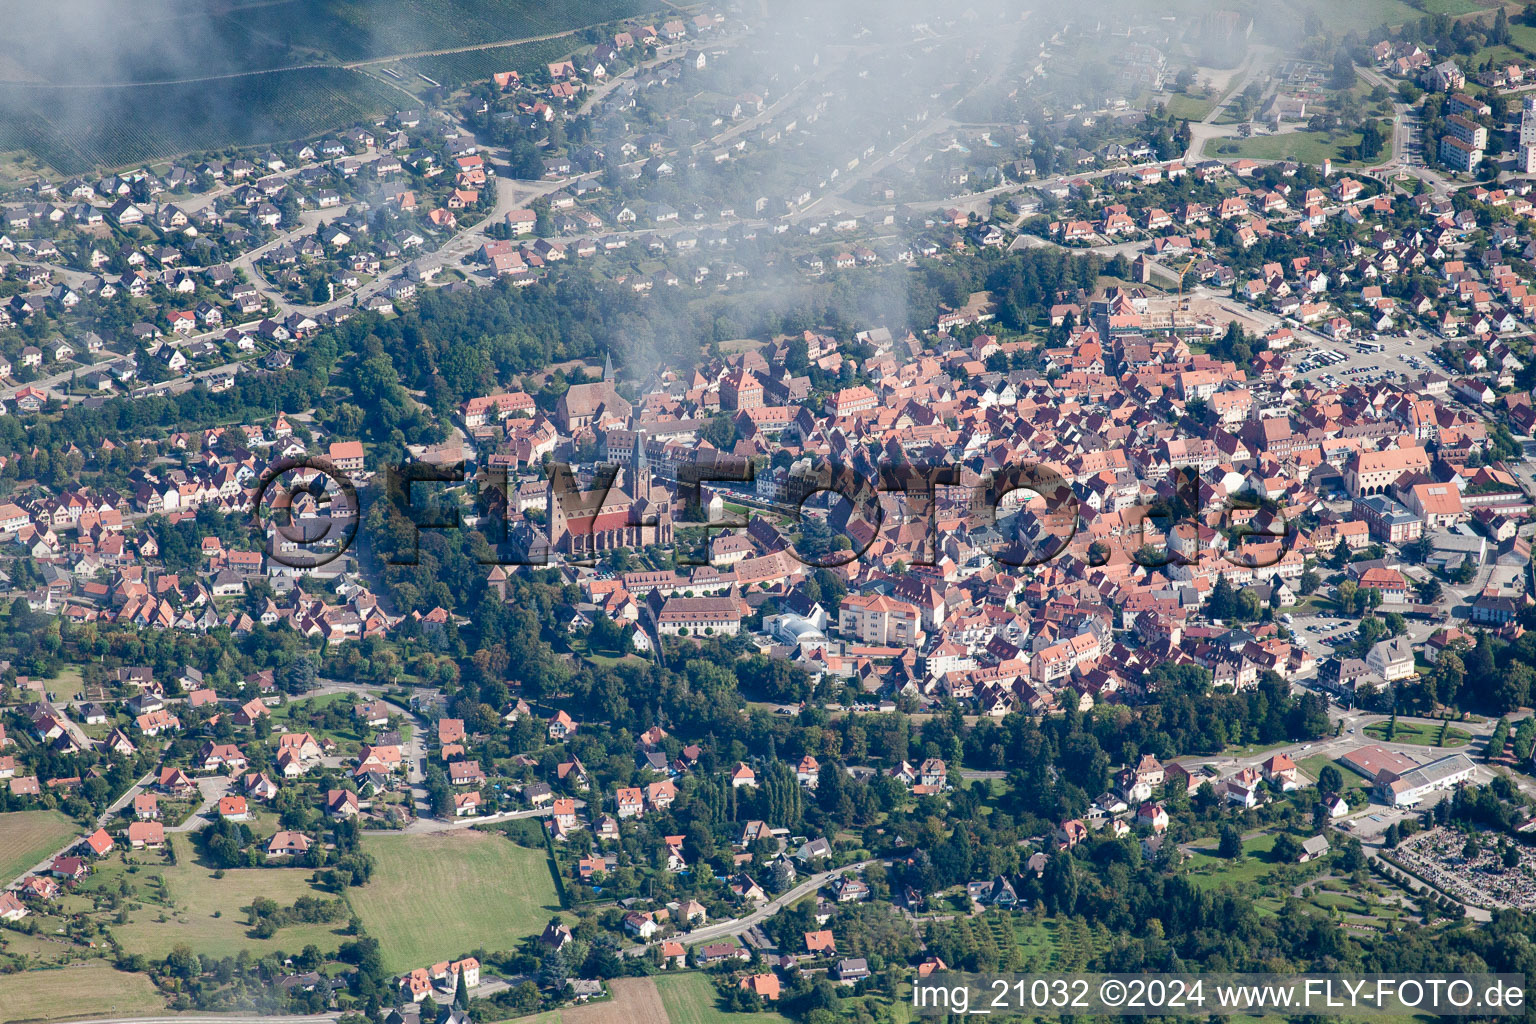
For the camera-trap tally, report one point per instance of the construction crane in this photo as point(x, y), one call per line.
point(1183, 306)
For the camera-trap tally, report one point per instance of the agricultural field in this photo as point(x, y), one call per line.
point(1455, 8)
point(433, 897)
point(691, 999)
point(26, 837)
point(81, 991)
point(203, 911)
point(637, 1001)
point(79, 130)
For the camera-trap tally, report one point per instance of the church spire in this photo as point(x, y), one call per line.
point(608, 368)
point(640, 469)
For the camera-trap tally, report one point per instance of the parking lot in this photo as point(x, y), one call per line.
point(1369, 824)
point(1337, 363)
point(1320, 359)
point(1321, 637)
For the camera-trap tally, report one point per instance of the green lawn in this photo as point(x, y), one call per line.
point(1209, 871)
point(83, 991)
point(1522, 35)
point(1364, 15)
point(1457, 7)
point(1342, 901)
point(1420, 735)
point(691, 999)
point(1338, 896)
point(291, 718)
point(204, 911)
point(1250, 749)
point(607, 659)
point(26, 837)
point(67, 683)
point(1304, 147)
point(1190, 108)
point(434, 897)
point(1313, 766)
point(315, 703)
point(1312, 604)
point(296, 710)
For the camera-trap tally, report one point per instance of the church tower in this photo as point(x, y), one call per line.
point(639, 471)
point(555, 514)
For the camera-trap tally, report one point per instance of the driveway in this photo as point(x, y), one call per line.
point(212, 789)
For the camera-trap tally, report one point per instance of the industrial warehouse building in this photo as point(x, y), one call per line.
point(1408, 788)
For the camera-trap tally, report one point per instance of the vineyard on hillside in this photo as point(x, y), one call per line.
point(76, 126)
point(353, 30)
point(79, 130)
point(456, 69)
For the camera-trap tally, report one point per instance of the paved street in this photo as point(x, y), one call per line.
point(415, 749)
point(737, 925)
point(106, 816)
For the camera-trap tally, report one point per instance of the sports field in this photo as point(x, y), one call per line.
point(433, 897)
point(26, 837)
point(86, 990)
